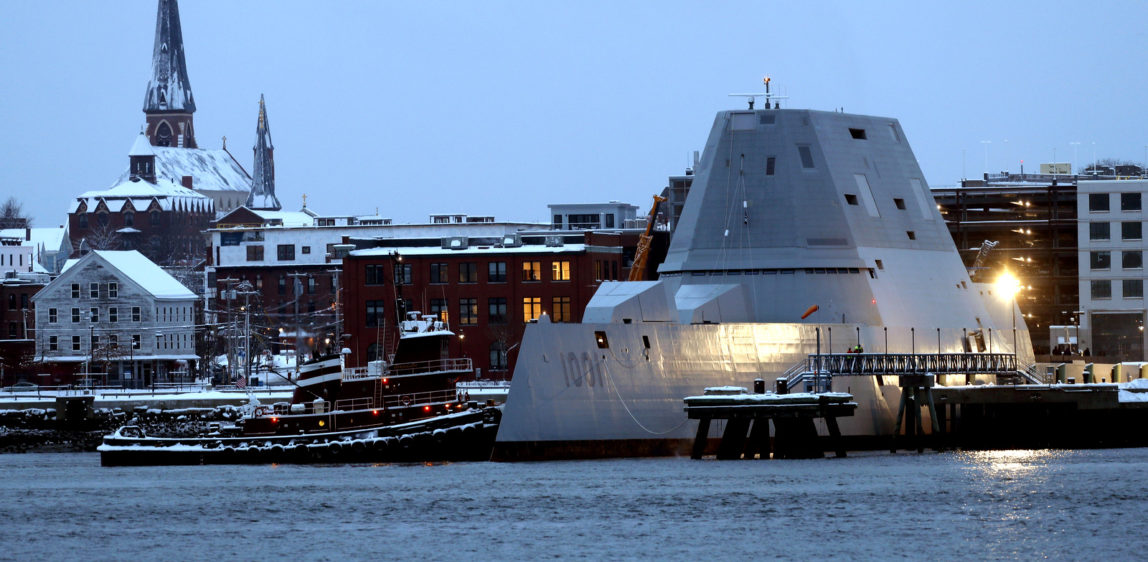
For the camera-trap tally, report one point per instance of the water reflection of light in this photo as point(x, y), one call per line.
point(1009, 464)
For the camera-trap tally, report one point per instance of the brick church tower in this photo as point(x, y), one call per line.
point(168, 104)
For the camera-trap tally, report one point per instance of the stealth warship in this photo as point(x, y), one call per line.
point(790, 211)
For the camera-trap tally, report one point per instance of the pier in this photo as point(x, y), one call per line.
point(747, 416)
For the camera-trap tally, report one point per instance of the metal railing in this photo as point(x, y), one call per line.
point(839, 364)
point(419, 367)
point(416, 398)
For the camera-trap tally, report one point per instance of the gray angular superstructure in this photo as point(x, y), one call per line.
point(789, 210)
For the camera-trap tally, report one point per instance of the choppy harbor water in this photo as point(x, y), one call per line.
point(1012, 504)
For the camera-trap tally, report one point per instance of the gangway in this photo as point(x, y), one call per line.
point(822, 367)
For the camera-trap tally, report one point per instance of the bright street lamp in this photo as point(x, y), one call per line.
point(1008, 286)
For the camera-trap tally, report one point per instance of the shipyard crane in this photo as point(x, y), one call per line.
point(986, 247)
point(642, 254)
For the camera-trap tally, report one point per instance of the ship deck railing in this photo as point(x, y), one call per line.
point(850, 364)
point(408, 369)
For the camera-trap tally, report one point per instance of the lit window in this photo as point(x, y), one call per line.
point(561, 310)
point(560, 271)
point(467, 311)
point(531, 308)
point(531, 271)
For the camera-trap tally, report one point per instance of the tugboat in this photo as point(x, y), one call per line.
point(402, 409)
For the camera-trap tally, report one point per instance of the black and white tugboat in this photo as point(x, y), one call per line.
point(402, 409)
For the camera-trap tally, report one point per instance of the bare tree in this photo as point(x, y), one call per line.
point(103, 237)
point(12, 214)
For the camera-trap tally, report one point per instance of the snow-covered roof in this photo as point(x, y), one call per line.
point(434, 251)
point(151, 277)
point(142, 146)
point(48, 238)
point(141, 193)
point(289, 218)
point(211, 170)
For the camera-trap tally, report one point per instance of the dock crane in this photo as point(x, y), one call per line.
point(986, 247)
point(642, 254)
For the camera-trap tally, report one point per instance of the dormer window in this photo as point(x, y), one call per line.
point(129, 218)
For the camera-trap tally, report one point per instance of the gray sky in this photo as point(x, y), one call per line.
point(499, 108)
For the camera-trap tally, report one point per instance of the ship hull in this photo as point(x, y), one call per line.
point(572, 398)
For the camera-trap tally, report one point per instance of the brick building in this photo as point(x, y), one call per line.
point(18, 326)
point(487, 290)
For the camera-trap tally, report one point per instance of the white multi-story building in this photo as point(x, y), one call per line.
point(117, 318)
point(1111, 246)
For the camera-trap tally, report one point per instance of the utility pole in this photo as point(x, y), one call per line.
point(246, 289)
point(297, 283)
point(338, 317)
point(229, 347)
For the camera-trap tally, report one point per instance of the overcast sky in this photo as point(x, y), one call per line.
point(500, 108)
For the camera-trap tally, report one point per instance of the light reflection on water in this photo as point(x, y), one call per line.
point(982, 505)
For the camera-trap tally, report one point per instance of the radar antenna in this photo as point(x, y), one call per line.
point(751, 97)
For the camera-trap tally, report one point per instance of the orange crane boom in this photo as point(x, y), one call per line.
point(642, 254)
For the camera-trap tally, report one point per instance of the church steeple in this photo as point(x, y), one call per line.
point(263, 179)
point(168, 103)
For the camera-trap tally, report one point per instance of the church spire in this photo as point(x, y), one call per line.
point(168, 102)
point(263, 179)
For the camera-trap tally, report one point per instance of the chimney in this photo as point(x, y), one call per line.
point(27, 234)
point(187, 182)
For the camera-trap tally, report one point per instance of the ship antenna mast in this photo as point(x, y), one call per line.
point(750, 98)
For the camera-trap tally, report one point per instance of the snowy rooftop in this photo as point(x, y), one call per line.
point(141, 194)
point(434, 251)
point(151, 277)
point(211, 170)
point(51, 238)
point(289, 218)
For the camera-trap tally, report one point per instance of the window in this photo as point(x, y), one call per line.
point(467, 273)
point(53, 343)
point(1130, 230)
point(53, 315)
point(285, 252)
point(113, 290)
point(561, 310)
point(75, 290)
point(306, 250)
point(1133, 288)
point(136, 314)
point(159, 342)
point(129, 218)
point(95, 342)
point(1100, 260)
point(282, 287)
point(1129, 201)
point(154, 216)
point(11, 301)
point(1132, 259)
point(113, 314)
point(75, 343)
point(531, 308)
point(806, 156)
point(467, 311)
point(94, 315)
point(13, 330)
point(1098, 202)
point(498, 356)
point(114, 341)
point(899, 203)
point(496, 310)
point(560, 271)
point(402, 274)
point(375, 275)
point(439, 273)
point(75, 315)
point(255, 253)
point(770, 165)
point(83, 220)
point(496, 272)
point(531, 271)
point(851, 199)
point(310, 285)
point(1098, 231)
point(912, 235)
point(438, 307)
point(374, 313)
point(94, 290)
point(135, 341)
point(1101, 289)
point(858, 134)
point(557, 222)
point(102, 218)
